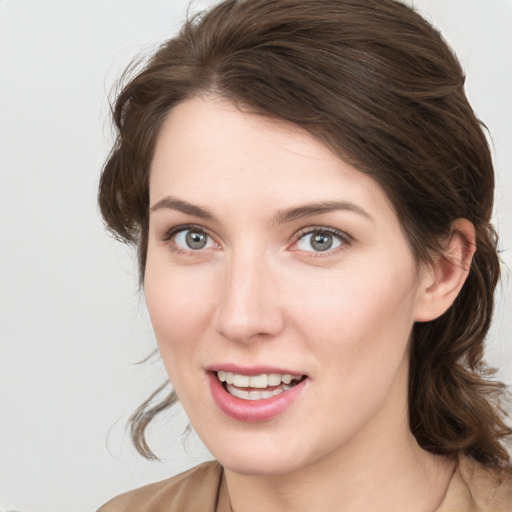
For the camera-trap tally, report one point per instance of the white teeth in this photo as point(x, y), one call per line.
point(255, 395)
point(273, 379)
point(256, 381)
point(241, 381)
point(239, 393)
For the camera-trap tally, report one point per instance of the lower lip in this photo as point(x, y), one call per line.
point(252, 411)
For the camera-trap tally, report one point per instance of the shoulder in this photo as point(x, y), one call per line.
point(475, 488)
point(196, 489)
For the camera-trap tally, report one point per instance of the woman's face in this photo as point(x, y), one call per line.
point(269, 257)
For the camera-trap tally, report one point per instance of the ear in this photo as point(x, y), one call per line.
point(441, 282)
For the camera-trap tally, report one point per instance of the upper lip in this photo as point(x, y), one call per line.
point(252, 370)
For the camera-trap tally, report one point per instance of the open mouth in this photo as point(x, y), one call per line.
point(258, 387)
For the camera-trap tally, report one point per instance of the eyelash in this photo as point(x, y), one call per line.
point(344, 239)
point(169, 236)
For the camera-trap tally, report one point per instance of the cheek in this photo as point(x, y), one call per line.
point(350, 297)
point(179, 305)
point(357, 320)
point(360, 332)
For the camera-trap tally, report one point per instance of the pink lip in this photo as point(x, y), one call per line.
point(252, 411)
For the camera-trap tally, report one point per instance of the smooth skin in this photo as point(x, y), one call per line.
point(266, 249)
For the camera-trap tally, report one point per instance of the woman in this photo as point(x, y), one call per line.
point(310, 194)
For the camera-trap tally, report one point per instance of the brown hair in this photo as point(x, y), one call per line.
point(378, 84)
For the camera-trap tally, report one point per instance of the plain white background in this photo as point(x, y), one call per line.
point(72, 323)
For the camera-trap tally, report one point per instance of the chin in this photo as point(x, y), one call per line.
point(259, 455)
point(274, 464)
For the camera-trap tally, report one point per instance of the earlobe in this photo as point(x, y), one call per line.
point(442, 281)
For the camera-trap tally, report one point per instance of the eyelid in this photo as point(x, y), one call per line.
point(184, 227)
point(345, 239)
point(169, 234)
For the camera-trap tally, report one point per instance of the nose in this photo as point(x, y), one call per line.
point(248, 308)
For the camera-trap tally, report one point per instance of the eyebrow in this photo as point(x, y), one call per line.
point(281, 217)
point(172, 203)
point(318, 208)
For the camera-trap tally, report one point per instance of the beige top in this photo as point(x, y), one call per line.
point(203, 489)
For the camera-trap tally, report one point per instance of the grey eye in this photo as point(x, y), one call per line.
point(319, 241)
point(193, 239)
point(196, 240)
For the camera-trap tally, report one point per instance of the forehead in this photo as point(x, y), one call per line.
point(212, 124)
point(210, 151)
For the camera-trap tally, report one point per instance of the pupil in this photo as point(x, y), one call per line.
point(321, 242)
point(196, 240)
